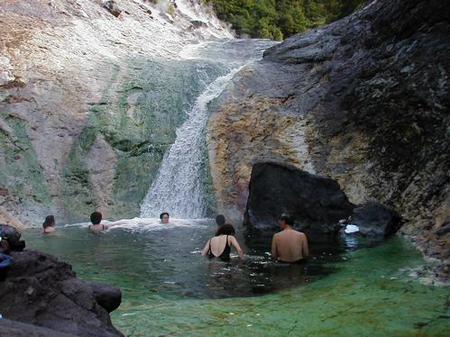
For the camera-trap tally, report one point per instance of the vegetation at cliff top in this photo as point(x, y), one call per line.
point(279, 19)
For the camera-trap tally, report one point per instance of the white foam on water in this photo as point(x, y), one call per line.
point(149, 224)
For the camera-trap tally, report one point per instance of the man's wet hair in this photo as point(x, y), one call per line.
point(226, 229)
point(96, 218)
point(288, 219)
point(220, 220)
point(49, 221)
point(162, 214)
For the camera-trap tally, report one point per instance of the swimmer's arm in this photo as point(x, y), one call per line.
point(205, 250)
point(236, 246)
point(305, 249)
point(274, 248)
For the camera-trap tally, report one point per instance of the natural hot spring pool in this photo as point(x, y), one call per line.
point(169, 289)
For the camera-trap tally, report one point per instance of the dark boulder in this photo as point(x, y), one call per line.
point(42, 290)
point(317, 203)
point(11, 235)
point(375, 219)
point(17, 329)
point(106, 296)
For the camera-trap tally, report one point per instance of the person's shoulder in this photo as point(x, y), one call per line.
point(301, 234)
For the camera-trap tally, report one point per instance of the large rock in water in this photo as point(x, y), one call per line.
point(42, 290)
point(375, 219)
point(363, 101)
point(316, 203)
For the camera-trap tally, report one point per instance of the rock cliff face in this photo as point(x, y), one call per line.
point(363, 101)
point(91, 93)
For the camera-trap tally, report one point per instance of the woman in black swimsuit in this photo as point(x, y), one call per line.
point(220, 245)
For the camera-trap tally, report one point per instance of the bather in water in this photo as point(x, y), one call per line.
point(220, 245)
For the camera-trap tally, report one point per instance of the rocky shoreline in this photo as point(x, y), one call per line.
point(41, 296)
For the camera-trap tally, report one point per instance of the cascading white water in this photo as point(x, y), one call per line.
point(178, 187)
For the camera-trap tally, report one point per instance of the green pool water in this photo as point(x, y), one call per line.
point(348, 288)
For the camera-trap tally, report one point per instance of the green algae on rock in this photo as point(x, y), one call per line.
point(131, 128)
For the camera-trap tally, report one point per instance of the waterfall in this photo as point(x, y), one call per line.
point(178, 187)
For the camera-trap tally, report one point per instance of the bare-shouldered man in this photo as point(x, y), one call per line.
point(289, 245)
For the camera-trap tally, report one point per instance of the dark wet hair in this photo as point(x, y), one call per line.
point(226, 229)
point(289, 219)
point(96, 218)
point(162, 214)
point(49, 221)
point(220, 220)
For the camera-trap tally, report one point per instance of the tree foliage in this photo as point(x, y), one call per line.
point(278, 19)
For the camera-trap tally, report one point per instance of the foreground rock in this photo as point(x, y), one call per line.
point(363, 101)
point(106, 296)
point(42, 290)
point(17, 329)
point(12, 235)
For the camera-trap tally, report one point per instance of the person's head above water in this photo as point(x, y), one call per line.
point(226, 229)
point(164, 217)
point(49, 221)
point(220, 220)
point(286, 220)
point(96, 218)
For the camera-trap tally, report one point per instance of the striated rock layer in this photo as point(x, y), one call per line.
point(91, 93)
point(363, 101)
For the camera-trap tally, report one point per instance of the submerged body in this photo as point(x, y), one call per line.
point(49, 224)
point(220, 245)
point(96, 219)
point(289, 245)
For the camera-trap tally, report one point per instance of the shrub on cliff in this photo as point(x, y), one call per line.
point(279, 19)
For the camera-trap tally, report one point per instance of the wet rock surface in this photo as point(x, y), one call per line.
point(44, 291)
point(363, 101)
